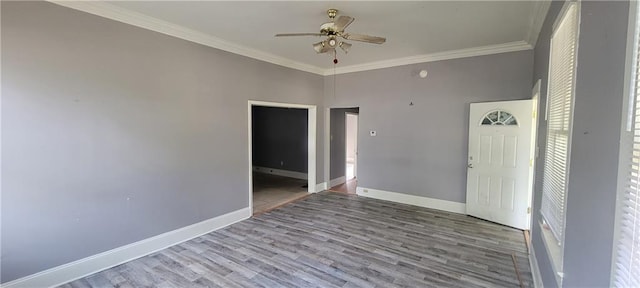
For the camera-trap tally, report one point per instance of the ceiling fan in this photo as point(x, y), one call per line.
point(334, 30)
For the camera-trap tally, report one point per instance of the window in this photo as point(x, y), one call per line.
point(560, 95)
point(626, 264)
point(499, 118)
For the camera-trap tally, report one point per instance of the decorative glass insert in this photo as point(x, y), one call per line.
point(499, 118)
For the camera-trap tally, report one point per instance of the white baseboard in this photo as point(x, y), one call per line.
point(421, 201)
point(337, 181)
point(280, 172)
point(92, 264)
point(535, 269)
point(321, 187)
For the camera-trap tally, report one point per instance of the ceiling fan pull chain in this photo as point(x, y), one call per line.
point(335, 61)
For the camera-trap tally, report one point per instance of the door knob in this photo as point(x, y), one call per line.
point(470, 165)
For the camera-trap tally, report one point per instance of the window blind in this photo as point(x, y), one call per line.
point(562, 64)
point(627, 248)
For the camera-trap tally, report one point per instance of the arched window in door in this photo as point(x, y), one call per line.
point(499, 117)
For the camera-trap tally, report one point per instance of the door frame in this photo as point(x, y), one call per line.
point(355, 159)
point(327, 143)
point(531, 157)
point(311, 142)
point(535, 96)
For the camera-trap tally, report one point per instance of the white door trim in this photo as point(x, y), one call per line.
point(535, 96)
point(346, 136)
point(327, 147)
point(327, 142)
point(311, 142)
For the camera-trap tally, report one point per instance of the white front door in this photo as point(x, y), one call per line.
point(500, 162)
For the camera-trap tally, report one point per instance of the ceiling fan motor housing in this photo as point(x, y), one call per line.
point(328, 28)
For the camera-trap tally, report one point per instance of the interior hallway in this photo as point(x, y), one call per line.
point(271, 191)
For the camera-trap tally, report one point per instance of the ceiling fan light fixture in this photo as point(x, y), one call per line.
point(318, 46)
point(332, 42)
point(345, 46)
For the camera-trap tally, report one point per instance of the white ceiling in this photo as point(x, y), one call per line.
point(414, 30)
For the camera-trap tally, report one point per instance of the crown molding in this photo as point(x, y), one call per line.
point(447, 55)
point(106, 10)
point(540, 10)
point(113, 12)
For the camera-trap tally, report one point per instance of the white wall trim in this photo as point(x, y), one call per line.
point(327, 146)
point(280, 172)
point(535, 269)
point(92, 264)
point(337, 181)
point(447, 55)
point(321, 187)
point(280, 104)
point(106, 10)
point(540, 10)
point(444, 205)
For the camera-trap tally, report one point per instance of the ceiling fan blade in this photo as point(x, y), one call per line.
point(364, 38)
point(299, 34)
point(343, 22)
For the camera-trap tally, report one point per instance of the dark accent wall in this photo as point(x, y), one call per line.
point(280, 138)
point(338, 141)
point(112, 134)
point(591, 195)
point(421, 149)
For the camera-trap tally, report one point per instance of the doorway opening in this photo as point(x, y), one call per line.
point(343, 149)
point(281, 154)
point(351, 128)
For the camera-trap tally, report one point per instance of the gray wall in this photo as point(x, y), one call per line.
point(280, 138)
point(338, 140)
point(591, 196)
point(112, 134)
point(422, 149)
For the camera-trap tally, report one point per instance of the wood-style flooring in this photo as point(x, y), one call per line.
point(348, 187)
point(271, 191)
point(336, 240)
